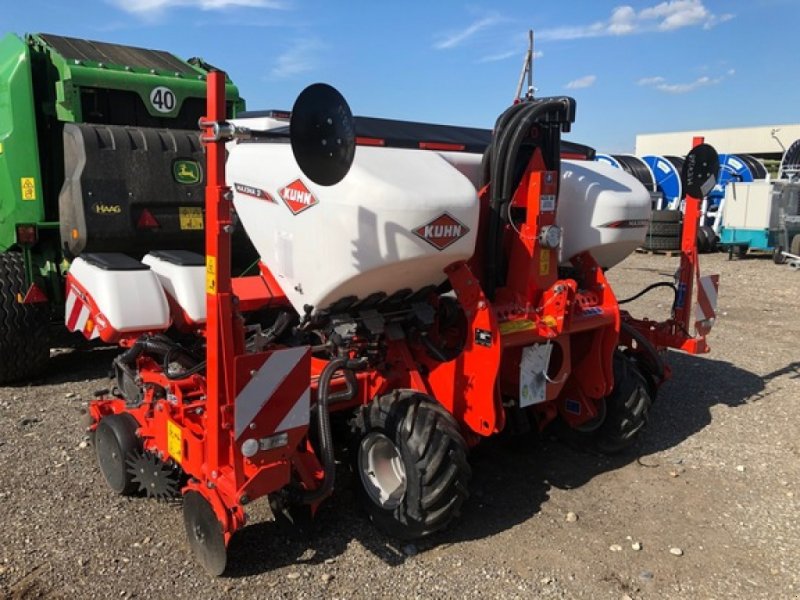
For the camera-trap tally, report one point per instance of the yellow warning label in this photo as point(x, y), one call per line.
point(1, 147)
point(174, 441)
point(544, 261)
point(28, 188)
point(191, 217)
point(211, 274)
point(514, 326)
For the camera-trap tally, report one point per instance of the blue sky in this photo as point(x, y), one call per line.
point(633, 67)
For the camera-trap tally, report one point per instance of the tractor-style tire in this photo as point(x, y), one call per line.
point(665, 228)
point(710, 238)
point(624, 413)
point(666, 216)
point(115, 441)
point(411, 462)
point(666, 244)
point(24, 339)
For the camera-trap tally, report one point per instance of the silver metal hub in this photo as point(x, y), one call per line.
point(382, 471)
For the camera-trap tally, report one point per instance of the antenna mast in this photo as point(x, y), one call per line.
point(527, 69)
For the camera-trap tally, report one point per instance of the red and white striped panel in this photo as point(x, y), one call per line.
point(278, 396)
point(706, 306)
point(77, 314)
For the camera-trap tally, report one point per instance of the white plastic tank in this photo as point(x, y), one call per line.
point(394, 222)
point(602, 210)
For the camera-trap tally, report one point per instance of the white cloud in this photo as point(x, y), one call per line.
point(297, 59)
point(662, 85)
point(625, 20)
point(153, 7)
point(510, 54)
point(650, 81)
point(453, 39)
point(582, 82)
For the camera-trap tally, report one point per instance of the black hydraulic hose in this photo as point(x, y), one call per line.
point(650, 288)
point(498, 161)
point(324, 424)
point(278, 328)
point(506, 152)
point(167, 350)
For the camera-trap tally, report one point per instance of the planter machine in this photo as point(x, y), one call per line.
point(432, 296)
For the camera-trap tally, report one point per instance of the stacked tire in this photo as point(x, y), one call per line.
point(664, 233)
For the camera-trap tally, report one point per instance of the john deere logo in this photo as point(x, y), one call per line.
point(186, 171)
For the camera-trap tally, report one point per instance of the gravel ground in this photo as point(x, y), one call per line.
point(715, 479)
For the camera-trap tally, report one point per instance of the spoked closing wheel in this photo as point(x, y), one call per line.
point(115, 441)
point(204, 532)
point(412, 464)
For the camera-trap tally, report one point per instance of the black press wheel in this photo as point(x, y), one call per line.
point(412, 464)
point(777, 255)
point(24, 338)
point(204, 532)
point(115, 442)
point(623, 413)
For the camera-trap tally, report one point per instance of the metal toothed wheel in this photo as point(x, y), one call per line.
point(153, 476)
point(412, 464)
point(115, 441)
point(204, 532)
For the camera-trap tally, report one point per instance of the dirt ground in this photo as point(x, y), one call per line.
point(715, 478)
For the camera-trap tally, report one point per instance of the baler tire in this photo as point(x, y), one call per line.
point(433, 454)
point(114, 442)
point(24, 335)
point(665, 228)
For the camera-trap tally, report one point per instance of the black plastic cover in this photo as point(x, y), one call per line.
point(409, 134)
point(181, 258)
point(122, 191)
point(115, 54)
point(113, 261)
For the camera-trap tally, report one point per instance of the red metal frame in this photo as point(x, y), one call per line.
point(675, 331)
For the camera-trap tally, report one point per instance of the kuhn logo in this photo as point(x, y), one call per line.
point(297, 197)
point(443, 231)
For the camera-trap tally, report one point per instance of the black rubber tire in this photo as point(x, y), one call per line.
point(626, 411)
point(666, 216)
point(777, 255)
point(434, 455)
point(794, 247)
point(114, 441)
point(653, 242)
point(665, 228)
point(710, 238)
point(24, 335)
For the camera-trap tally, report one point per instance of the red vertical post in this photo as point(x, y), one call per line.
point(689, 257)
point(219, 338)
